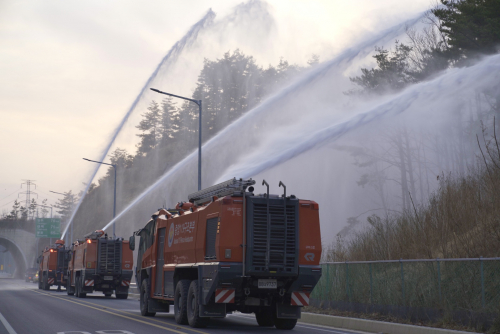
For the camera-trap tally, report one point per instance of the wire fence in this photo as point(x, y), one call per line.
point(465, 289)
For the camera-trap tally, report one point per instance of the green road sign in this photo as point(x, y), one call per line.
point(48, 227)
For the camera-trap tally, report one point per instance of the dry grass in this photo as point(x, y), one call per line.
point(460, 220)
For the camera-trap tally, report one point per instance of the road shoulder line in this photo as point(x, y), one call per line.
point(372, 326)
point(6, 324)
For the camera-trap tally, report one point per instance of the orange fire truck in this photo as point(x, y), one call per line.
point(99, 263)
point(230, 250)
point(52, 266)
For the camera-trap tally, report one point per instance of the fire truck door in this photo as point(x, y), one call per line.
point(159, 261)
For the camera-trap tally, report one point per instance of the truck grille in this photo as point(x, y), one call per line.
point(109, 258)
point(279, 243)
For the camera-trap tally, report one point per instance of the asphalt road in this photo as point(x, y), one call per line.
point(24, 309)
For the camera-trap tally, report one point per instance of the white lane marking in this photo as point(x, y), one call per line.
point(6, 324)
point(77, 332)
point(113, 331)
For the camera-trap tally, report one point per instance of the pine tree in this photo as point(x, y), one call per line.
point(24, 213)
point(44, 210)
point(472, 27)
point(66, 205)
point(149, 126)
point(170, 122)
point(14, 213)
point(392, 73)
point(32, 209)
point(313, 61)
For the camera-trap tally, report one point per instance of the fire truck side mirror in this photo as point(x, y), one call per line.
point(131, 242)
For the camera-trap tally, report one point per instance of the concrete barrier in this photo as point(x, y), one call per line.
point(372, 326)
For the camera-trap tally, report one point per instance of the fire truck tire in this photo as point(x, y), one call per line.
point(79, 288)
point(180, 301)
point(39, 284)
point(107, 294)
point(69, 290)
point(285, 323)
point(265, 317)
point(46, 285)
point(193, 307)
point(144, 299)
point(121, 295)
point(77, 292)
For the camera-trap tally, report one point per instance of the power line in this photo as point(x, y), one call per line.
point(8, 203)
point(1, 199)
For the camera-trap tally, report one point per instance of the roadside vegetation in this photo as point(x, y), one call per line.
point(460, 217)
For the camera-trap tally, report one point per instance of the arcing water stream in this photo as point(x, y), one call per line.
point(170, 58)
point(307, 135)
point(265, 113)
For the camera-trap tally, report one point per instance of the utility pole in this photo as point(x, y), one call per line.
point(28, 193)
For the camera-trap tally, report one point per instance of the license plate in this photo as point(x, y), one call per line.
point(267, 284)
point(108, 278)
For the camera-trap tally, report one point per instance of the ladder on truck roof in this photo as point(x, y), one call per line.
point(222, 189)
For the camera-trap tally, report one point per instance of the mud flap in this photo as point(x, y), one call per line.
point(213, 310)
point(287, 311)
point(157, 306)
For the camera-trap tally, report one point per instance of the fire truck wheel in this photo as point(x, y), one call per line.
point(121, 295)
point(285, 323)
point(193, 307)
point(108, 294)
point(46, 285)
point(180, 301)
point(79, 288)
point(39, 284)
point(82, 294)
point(144, 299)
point(265, 317)
point(69, 290)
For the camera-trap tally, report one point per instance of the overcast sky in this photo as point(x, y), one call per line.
point(69, 70)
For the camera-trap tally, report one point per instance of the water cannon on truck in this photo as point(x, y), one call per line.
point(227, 250)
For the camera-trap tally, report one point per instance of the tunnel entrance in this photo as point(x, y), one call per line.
point(12, 258)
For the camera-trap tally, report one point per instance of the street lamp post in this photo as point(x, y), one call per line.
point(114, 194)
point(55, 192)
point(198, 102)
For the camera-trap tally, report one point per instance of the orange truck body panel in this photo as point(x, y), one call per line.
point(187, 236)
